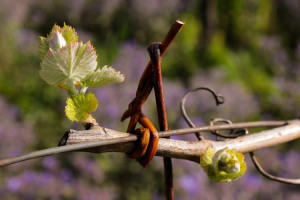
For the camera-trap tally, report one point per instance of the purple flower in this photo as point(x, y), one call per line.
point(253, 180)
point(49, 162)
point(66, 175)
point(13, 184)
point(189, 184)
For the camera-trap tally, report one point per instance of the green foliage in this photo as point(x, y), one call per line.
point(224, 165)
point(103, 76)
point(58, 38)
point(80, 106)
point(67, 63)
point(241, 66)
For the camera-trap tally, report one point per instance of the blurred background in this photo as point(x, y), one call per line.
point(249, 51)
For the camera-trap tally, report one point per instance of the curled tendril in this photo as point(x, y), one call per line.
point(223, 164)
point(232, 133)
point(270, 176)
point(218, 98)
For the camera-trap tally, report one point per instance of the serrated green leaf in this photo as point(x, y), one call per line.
point(57, 41)
point(80, 106)
point(104, 76)
point(68, 35)
point(43, 47)
point(75, 62)
point(70, 110)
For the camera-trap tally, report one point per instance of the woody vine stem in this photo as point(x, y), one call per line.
point(106, 140)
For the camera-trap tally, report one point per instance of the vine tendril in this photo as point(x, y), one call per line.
point(218, 98)
point(260, 169)
point(231, 133)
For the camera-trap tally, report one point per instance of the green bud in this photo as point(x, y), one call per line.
point(223, 165)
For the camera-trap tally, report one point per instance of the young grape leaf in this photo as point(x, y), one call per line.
point(80, 106)
point(43, 47)
point(104, 76)
point(57, 41)
point(74, 62)
point(67, 33)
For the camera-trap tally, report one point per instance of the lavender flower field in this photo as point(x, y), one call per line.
point(249, 52)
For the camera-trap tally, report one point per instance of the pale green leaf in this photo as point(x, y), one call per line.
point(104, 76)
point(70, 110)
point(67, 33)
point(75, 62)
point(43, 47)
point(57, 41)
point(80, 106)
